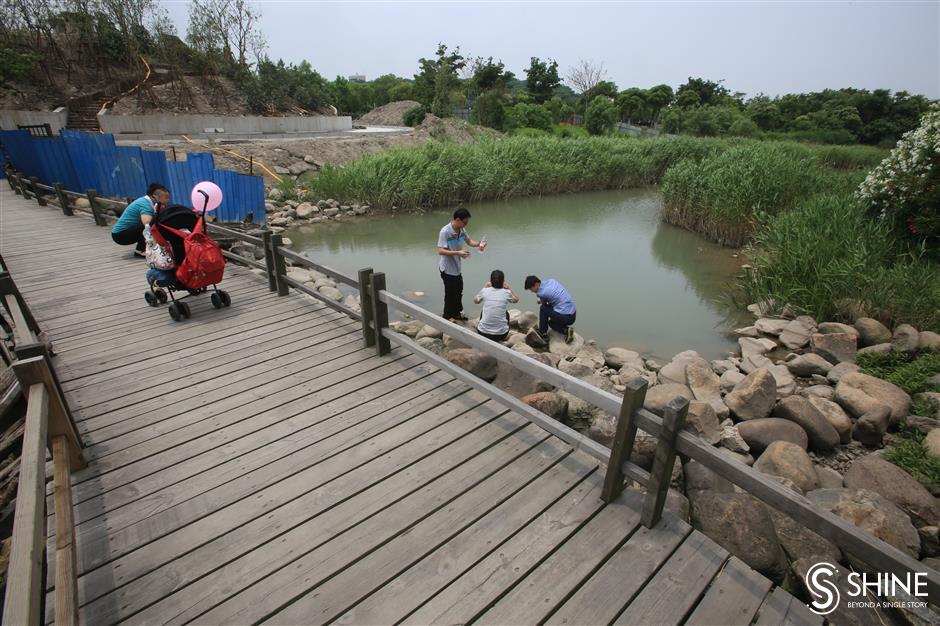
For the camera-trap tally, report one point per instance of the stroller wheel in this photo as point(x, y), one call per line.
point(226, 299)
point(161, 296)
point(175, 312)
point(216, 300)
point(151, 298)
point(184, 308)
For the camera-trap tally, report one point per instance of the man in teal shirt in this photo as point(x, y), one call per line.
point(129, 228)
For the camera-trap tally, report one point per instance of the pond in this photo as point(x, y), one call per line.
point(638, 283)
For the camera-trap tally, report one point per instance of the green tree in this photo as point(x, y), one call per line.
point(541, 79)
point(708, 91)
point(600, 116)
point(559, 109)
point(658, 98)
point(688, 99)
point(631, 103)
point(489, 109)
point(523, 115)
point(437, 78)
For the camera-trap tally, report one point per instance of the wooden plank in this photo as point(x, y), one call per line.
point(733, 599)
point(672, 593)
point(664, 460)
point(620, 579)
point(24, 572)
point(781, 608)
point(22, 335)
point(66, 597)
point(624, 438)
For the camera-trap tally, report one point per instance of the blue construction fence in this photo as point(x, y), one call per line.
point(81, 161)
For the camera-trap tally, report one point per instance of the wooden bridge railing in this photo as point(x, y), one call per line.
point(375, 301)
point(48, 425)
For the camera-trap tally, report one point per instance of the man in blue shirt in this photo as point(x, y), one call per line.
point(557, 309)
point(129, 228)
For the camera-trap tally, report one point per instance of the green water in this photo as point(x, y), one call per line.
point(637, 283)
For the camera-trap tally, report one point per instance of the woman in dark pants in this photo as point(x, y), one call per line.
point(129, 229)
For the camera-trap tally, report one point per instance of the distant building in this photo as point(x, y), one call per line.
point(357, 78)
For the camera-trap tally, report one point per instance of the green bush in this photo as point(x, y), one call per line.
point(524, 115)
point(530, 132)
point(414, 116)
point(568, 132)
point(600, 116)
point(910, 373)
point(15, 66)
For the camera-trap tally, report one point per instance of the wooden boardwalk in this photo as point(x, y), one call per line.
point(257, 464)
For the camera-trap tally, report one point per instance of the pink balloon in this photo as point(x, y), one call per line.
point(206, 190)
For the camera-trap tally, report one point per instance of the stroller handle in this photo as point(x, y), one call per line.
point(205, 204)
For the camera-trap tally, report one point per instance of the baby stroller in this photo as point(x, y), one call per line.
point(180, 230)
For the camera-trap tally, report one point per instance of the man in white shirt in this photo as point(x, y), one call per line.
point(451, 253)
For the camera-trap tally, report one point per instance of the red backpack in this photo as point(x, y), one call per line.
point(204, 263)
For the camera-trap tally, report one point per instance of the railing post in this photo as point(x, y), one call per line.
point(63, 199)
point(280, 267)
point(66, 566)
point(8, 287)
point(95, 211)
point(19, 180)
point(11, 178)
point(379, 315)
point(35, 184)
point(624, 437)
point(661, 474)
point(365, 304)
point(269, 259)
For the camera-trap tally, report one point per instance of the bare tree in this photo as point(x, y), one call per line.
point(586, 75)
point(226, 28)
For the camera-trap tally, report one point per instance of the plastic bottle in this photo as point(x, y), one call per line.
point(483, 244)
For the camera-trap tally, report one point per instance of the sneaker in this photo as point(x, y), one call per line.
point(569, 334)
point(139, 254)
point(462, 318)
point(543, 336)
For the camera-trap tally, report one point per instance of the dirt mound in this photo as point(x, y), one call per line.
point(214, 95)
point(388, 114)
point(451, 129)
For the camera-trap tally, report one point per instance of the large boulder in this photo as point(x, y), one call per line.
point(806, 365)
point(880, 348)
point(575, 368)
point(871, 332)
point(932, 441)
point(840, 370)
point(430, 331)
point(871, 427)
point(591, 355)
point(822, 435)
point(700, 478)
point(549, 403)
point(771, 326)
point(835, 415)
point(557, 345)
point(659, 396)
point(732, 440)
point(753, 397)
point(430, 343)
point(834, 347)
point(786, 384)
point(706, 386)
point(905, 339)
point(331, 292)
point(729, 379)
point(674, 371)
point(801, 543)
point(828, 328)
point(818, 391)
point(796, 334)
point(755, 347)
point(534, 339)
point(760, 433)
point(742, 525)
point(928, 341)
point(701, 419)
point(788, 460)
point(888, 480)
point(477, 363)
point(615, 358)
point(859, 393)
point(872, 513)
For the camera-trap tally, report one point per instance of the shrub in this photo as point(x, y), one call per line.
point(600, 116)
point(414, 116)
point(524, 115)
point(905, 189)
point(530, 132)
point(567, 132)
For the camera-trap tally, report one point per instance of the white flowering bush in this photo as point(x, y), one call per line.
point(905, 188)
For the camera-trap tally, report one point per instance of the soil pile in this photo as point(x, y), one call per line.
point(388, 114)
point(213, 95)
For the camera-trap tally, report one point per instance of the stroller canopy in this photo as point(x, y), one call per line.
point(179, 217)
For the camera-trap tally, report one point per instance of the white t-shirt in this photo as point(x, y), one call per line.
point(495, 302)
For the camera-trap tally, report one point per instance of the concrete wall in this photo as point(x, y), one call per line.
point(10, 119)
point(165, 124)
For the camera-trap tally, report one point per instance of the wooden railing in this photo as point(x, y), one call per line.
point(375, 302)
point(48, 425)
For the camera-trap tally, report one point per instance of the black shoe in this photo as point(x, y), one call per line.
point(543, 336)
point(139, 254)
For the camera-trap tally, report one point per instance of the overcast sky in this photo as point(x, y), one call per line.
point(769, 47)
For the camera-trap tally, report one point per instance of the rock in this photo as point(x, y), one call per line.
point(732, 440)
point(332, 293)
point(730, 379)
point(616, 358)
point(331, 212)
point(840, 370)
point(871, 427)
point(928, 341)
point(753, 397)
point(829, 328)
point(860, 393)
point(515, 338)
point(770, 326)
point(659, 396)
point(281, 171)
point(720, 366)
point(706, 386)
point(434, 345)
point(324, 282)
point(298, 168)
point(760, 433)
point(528, 320)
point(818, 391)
point(674, 371)
point(929, 540)
point(932, 441)
point(310, 160)
point(700, 478)
point(822, 435)
point(872, 513)
point(524, 348)
point(801, 543)
point(301, 275)
point(889, 481)
point(275, 194)
point(430, 331)
point(828, 477)
point(880, 348)
point(628, 373)
point(306, 210)
point(835, 415)
point(477, 363)
point(905, 339)
point(871, 332)
point(575, 368)
point(747, 331)
point(281, 221)
point(742, 525)
point(754, 363)
point(557, 345)
point(834, 347)
point(353, 303)
point(786, 384)
point(923, 425)
point(549, 403)
point(806, 365)
point(590, 355)
point(796, 334)
point(755, 347)
point(652, 365)
point(533, 339)
point(789, 460)
point(701, 419)
point(411, 328)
